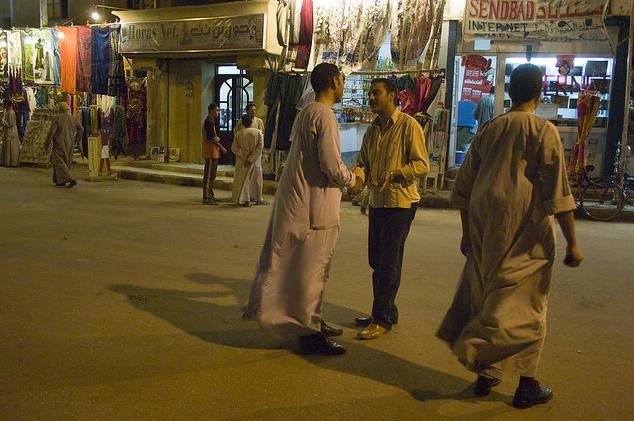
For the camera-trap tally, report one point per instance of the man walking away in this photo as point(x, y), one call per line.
point(247, 181)
point(211, 153)
point(393, 157)
point(286, 295)
point(509, 187)
point(65, 132)
point(484, 110)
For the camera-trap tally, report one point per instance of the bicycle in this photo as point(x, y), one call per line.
point(603, 198)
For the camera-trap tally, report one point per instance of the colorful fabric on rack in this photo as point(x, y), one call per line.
point(354, 21)
point(4, 56)
point(116, 75)
point(301, 36)
point(27, 56)
point(68, 54)
point(84, 59)
point(412, 24)
point(100, 59)
point(377, 16)
point(43, 56)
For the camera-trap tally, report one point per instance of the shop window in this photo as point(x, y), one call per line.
point(57, 9)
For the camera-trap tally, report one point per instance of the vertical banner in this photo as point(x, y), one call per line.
point(4, 56)
point(27, 56)
point(15, 49)
point(478, 78)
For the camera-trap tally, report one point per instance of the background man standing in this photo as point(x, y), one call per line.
point(11, 144)
point(65, 132)
point(286, 295)
point(484, 111)
point(509, 187)
point(247, 182)
point(211, 153)
point(393, 157)
point(256, 122)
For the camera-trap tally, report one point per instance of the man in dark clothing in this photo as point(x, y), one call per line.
point(211, 152)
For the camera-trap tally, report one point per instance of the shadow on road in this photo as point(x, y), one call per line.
point(214, 316)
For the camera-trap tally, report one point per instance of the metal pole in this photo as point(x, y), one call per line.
point(628, 88)
point(43, 13)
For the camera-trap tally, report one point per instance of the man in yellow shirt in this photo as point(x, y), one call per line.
point(392, 159)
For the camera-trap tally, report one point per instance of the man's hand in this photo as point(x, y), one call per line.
point(573, 256)
point(391, 177)
point(465, 245)
point(358, 186)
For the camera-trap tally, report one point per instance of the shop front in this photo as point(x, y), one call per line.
point(572, 46)
point(194, 56)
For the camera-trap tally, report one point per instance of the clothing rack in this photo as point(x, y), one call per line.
point(440, 72)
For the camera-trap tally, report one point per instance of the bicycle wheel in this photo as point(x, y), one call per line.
point(601, 201)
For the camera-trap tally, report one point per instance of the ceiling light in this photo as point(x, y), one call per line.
point(95, 16)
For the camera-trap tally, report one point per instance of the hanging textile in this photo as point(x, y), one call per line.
point(116, 74)
point(4, 56)
point(588, 105)
point(119, 144)
point(411, 29)
point(68, 53)
point(328, 29)
point(136, 116)
point(100, 59)
point(15, 49)
point(43, 56)
point(56, 58)
point(377, 16)
point(27, 56)
point(354, 20)
point(272, 102)
point(301, 33)
point(84, 58)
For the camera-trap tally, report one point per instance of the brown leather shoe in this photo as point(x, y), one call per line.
point(372, 332)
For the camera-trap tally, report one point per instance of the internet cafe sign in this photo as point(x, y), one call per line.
point(543, 20)
point(222, 34)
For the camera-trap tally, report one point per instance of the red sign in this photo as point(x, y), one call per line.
point(478, 78)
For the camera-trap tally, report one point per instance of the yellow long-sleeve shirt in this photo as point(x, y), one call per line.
point(400, 145)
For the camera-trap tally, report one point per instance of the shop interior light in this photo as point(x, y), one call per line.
point(95, 15)
point(3, 44)
point(60, 35)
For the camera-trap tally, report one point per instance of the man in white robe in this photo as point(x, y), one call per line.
point(509, 187)
point(11, 141)
point(247, 181)
point(286, 295)
point(65, 132)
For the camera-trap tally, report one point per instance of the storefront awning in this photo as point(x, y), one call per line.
point(535, 20)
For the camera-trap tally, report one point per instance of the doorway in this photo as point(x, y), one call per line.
point(233, 91)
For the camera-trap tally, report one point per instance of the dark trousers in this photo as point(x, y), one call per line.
point(388, 230)
point(211, 170)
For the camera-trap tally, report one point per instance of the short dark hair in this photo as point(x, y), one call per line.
point(492, 91)
point(526, 83)
point(390, 86)
point(249, 105)
point(212, 106)
point(322, 75)
point(246, 120)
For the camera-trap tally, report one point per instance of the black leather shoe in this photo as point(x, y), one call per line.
point(363, 321)
point(71, 184)
point(531, 394)
point(318, 344)
point(330, 331)
point(484, 384)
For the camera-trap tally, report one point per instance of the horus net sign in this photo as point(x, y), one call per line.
point(194, 35)
point(556, 20)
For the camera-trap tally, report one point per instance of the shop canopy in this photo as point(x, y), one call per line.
point(535, 20)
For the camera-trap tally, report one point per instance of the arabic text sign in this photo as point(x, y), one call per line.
point(204, 35)
point(554, 20)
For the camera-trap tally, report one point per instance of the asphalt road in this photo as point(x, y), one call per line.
point(121, 300)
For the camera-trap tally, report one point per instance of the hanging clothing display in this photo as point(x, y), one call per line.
point(43, 56)
point(57, 58)
point(15, 49)
point(328, 29)
point(84, 59)
point(354, 20)
point(119, 132)
point(116, 73)
point(27, 56)
point(4, 56)
point(283, 93)
point(33, 144)
point(68, 52)
point(136, 116)
point(411, 28)
point(301, 33)
point(100, 59)
point(377, 15)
